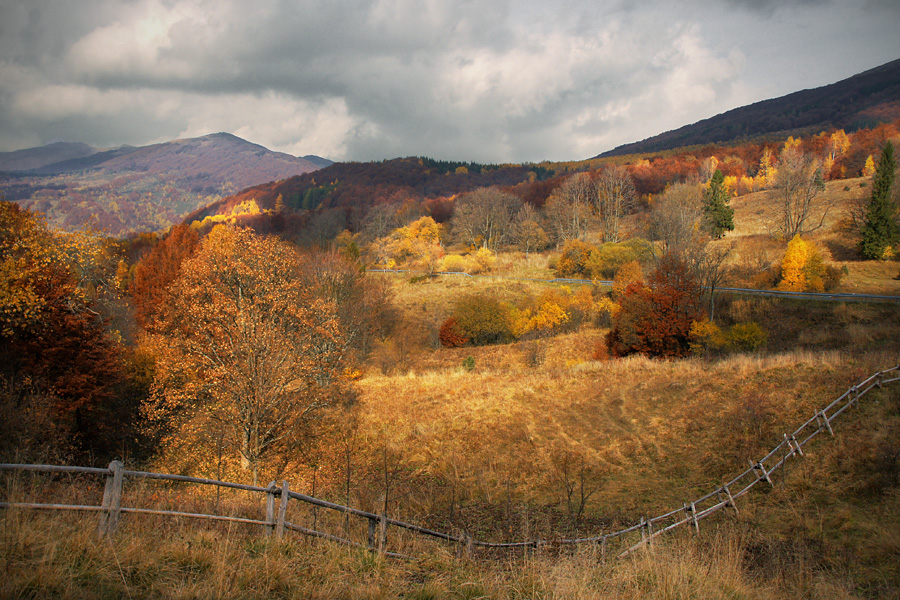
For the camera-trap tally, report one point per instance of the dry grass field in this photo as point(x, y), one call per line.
point(540, 439)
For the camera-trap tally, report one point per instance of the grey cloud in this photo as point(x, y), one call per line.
point(491, 80)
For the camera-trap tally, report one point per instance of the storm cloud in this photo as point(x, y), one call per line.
point(486, 80)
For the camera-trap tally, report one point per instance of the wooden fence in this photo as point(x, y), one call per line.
point(621, 542)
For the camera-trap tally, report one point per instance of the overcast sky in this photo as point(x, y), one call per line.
point(482, 80)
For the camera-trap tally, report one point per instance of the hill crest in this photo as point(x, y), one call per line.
point(863, 100)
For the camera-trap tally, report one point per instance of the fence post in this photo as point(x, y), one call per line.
point(759, 468)
point(820, 417)
point(793, 444)
point(694, 517)
point(731, 500)
point(382, 533)
point(112, 499)
point(270, 508)
point(282, 510)
point(372, 523)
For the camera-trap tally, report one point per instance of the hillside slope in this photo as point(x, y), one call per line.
point(141, 188)
point(35, 158)
point(863, 100)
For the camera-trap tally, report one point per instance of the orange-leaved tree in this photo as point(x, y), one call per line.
point(53, 343)
point(247, 353)
point(158, 269)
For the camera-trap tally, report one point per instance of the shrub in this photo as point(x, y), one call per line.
point(484, 320)
point(747, 337)
point(607, 260)
point(452, 335)
point(656, 320)
point(606, 312)
point(706, 337)
point(573, 260)
point(482, 261)
point(454, 263)
point(626, 274)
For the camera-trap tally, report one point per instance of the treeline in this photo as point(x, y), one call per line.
point(223, 344)
point(313, 209)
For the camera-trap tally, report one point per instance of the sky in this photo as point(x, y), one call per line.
point(472, 80)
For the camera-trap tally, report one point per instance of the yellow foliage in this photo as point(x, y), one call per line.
point(628, 273)
point(607, 308)
point(869, 169)
point(454, 263)
point(731, 183)
point(802, 269)
point(418, 245)
point(482, 261)
point(706, 336)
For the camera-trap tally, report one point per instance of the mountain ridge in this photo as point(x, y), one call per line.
point(861, 100)
point(144, 188)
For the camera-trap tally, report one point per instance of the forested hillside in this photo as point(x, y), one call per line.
point(132, 189)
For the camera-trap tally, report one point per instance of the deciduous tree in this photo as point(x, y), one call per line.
point(245, 347)
point(656, 319)
point(485, 217)
point(568, 210)
point(614, 198)
point(798, 185)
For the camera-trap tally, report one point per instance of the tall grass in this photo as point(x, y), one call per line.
point(225, 562)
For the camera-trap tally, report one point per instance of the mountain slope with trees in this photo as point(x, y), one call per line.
point(140, 188)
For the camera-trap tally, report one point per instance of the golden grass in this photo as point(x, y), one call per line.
point(192, 562)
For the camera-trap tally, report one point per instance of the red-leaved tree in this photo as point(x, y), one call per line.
point(656, 318)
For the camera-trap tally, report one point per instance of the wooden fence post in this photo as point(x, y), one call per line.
point(270, 508)
point(731, 500)
point(372, 525)
point(822, 418)
point(382, 533)
point(760, 468)
point(112, 499)
point(282, 510)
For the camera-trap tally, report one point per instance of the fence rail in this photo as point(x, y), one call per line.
point(631, 538)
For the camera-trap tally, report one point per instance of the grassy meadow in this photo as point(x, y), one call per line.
point(546, 439)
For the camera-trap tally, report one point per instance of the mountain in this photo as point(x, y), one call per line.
point(860, 101)
point(140, 188)
point(35, 158)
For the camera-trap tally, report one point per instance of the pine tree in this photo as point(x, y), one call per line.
point(718, 216)
point(879, 230)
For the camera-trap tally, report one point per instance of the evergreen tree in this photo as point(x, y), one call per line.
point(718, 216)
point(879, 230)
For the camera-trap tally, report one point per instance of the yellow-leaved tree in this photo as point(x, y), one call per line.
point(416, 245)
point(802, 269)
point(247, 353)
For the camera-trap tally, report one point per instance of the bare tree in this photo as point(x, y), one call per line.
point(380, 221)
point(709, 263)
point(568, 210)
point(614, 197)
point(485, 217)
point(798, 183)
point(676, 221)
point(527, 232)
point(676, 217)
